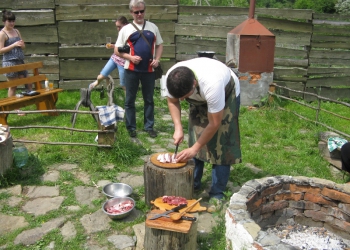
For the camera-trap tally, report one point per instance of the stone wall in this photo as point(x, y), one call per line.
point(273, 200)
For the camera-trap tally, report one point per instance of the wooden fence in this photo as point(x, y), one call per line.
point(311, 54)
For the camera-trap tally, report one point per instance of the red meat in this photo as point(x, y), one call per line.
point(174, 200)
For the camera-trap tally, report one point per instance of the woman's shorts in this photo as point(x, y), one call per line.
point(23, 73)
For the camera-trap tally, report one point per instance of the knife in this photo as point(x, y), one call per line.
point(183, 217)
point(177, 147)
point(175, 209)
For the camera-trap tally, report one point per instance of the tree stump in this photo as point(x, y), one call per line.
point(6, 157)
point(163, 239)
point(163, 181)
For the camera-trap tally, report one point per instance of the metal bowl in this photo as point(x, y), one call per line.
point(209, 54)
point(112, 190)
point(114, 201)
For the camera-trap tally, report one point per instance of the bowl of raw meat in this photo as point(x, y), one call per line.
point(113, 189)
point(119, 207)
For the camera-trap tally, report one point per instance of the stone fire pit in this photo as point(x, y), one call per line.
point(270, 201)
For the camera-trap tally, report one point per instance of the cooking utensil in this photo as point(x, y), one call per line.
point(177, 147)
point(183, 217)
point(115, 201)
point(179, 215)
point(117, 190)
point(175, 209)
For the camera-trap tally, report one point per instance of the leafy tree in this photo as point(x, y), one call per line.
point(322, 6)
point(343, 6)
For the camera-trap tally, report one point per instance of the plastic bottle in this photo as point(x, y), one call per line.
point(46, 83)
point(20, 155)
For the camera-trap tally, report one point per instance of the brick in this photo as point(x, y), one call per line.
point(274, 206)
point(255, 204)
point(312, 206)
point(336, 195)
point(318, 216)
point(304, 189)
point(343, 225)
point(289, 196)
point(317, 198)
point(297, 204)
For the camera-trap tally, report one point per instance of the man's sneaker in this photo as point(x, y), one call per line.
point(132, 133)
point(215, 205)
point(151, 133)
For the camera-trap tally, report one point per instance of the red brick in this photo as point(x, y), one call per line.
point(304, 189)
point(289, 196)
point(319, 199)
point(254, 204)
point(274, 206)
point(336, 195)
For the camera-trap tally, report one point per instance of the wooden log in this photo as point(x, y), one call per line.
point(164, 239)
point(6, 155)
point(163, 181)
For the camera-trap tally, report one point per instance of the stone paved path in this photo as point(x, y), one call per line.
point(40, 200)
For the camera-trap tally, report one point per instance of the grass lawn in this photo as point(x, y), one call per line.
point(275, 141)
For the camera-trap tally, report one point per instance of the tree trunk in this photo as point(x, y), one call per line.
point(162, 239)
point(6, 157)
point(163, 181)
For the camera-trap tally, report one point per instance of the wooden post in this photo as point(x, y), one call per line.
point(163, 239)
point(6, 155)
point(107, 138)
point(168, 181)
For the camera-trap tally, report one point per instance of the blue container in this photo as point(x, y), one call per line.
point(20, 155)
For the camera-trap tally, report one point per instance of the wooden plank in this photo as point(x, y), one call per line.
point(183, 57)
point(286, 62)
point(328, 72)
point(201, 31)
point(287, 52)
point(330, 54)
point(328, 81)
point(85, 52)
point(332, 93)
point(114, 2)
point(290, 78)
point(40, 34)
point(229, 20)
point(88, 33)
point(186, 45)
point(22, 81)
point(51, 63)
point(41, 48)
point(21, 4)
point(34, 17)
point(296, 26)
point(81, 69)
point(95, 12)
point(331, 30)
point(28, 66)
point(284, 13)
point(325, 16)
point(293, 38)
point(281, 72)
point(292, 85)
point(329, 61)
point(324, 38)
point(331, 45)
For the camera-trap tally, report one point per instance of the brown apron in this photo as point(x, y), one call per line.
point(224, 147)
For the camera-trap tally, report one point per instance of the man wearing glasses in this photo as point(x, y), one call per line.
point(145, 51)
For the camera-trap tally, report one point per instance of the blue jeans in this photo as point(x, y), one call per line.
point(110, 66)
point(132, 80)
point(219, 177)
point(238, 100)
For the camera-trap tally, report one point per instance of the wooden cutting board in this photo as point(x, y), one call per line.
point(166, 165)
point(165, 206)
point(164, 223)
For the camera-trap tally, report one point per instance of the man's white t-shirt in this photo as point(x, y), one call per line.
point(212, 76)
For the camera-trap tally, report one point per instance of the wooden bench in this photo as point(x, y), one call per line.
point(46, 100)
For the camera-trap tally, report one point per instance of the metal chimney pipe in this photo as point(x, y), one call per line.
point(251, 9)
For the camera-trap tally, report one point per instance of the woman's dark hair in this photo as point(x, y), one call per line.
point(8, 15)
point(180, 81)
point(122, 20)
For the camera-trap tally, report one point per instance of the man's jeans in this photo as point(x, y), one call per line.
point(219, 175)
point(132, 80)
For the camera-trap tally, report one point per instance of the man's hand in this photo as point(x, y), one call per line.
point(135, 59)
point(155, 63)
point(186, 155)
